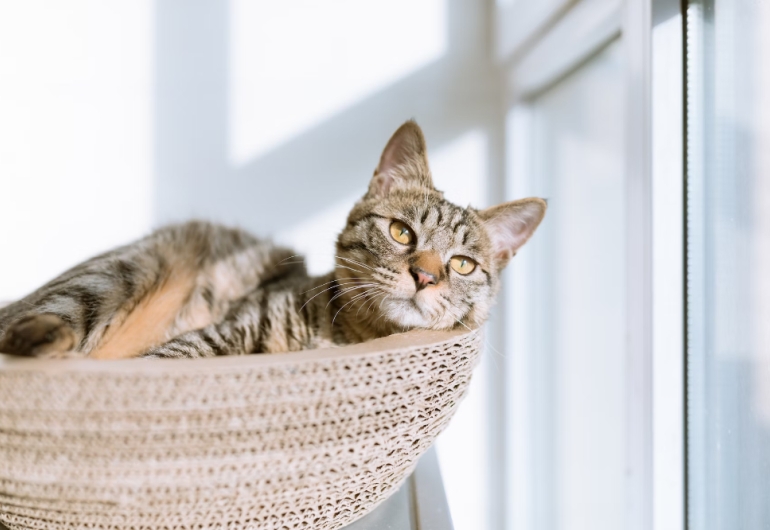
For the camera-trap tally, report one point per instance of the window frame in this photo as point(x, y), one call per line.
point(539, 46)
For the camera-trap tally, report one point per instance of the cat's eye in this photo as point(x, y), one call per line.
point(401, 233)
point(463, 264)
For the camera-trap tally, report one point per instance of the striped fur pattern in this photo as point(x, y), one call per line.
point(202, 290)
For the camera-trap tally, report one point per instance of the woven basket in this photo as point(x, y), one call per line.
point(305, 440)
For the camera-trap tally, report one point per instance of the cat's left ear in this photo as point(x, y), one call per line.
point(404, 162)
point(511, 224)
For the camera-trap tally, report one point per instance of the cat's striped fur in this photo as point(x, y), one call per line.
point(201, 290)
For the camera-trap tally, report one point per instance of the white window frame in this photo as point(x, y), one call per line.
point(540, 42)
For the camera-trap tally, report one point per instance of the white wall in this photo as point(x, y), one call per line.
point(76, 133)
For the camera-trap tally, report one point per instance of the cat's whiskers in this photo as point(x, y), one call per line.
point(338, 282)
point(381, 297)
point(313, 297)
point(384, 282)
point(331, 287)
point(346, 304)
point(487, 344)
point(354, 262)
point(363, 295)
point(377, 290)
point(347, 290)
point(385, 273)
point(301, 256)
point(382, 313)
point(337, 265)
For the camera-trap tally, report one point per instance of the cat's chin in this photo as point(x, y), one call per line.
point(412, 312)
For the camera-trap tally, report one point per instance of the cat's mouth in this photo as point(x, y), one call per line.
point(398, 301)
point(414, 310)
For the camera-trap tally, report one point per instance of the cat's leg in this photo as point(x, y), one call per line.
point(247, 323)
point(137, 295)
point(66, 317)
point(240, 332)
point(212, 341)
point(74, 313)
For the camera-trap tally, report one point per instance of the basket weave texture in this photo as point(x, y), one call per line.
point(305, 440)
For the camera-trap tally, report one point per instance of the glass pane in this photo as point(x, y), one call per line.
point(569, 306)
point(728, 269)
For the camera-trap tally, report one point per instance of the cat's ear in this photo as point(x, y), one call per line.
point(511, 224)
point(404, 162)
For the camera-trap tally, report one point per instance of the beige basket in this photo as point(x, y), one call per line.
point(306, 440)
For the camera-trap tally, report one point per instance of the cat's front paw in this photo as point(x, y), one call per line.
point(41, 335)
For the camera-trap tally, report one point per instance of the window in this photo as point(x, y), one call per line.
point(595, 310)
point(568, 312)
point(728, 264)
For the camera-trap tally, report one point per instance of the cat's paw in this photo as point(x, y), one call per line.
point(42, 335)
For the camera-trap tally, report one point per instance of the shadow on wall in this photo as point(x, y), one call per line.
point(302, 176)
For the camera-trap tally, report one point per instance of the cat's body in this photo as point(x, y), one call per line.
point(243, 294)
point(407, 258)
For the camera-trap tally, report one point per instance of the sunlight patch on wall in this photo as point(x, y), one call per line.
point(75, 133)
point(296, 63)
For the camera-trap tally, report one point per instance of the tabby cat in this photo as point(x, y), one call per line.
point(406, 259)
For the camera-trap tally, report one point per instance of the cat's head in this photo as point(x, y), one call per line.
point(408, 258)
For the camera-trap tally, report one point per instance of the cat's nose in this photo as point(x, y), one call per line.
point(425, 267)
point(422, 278)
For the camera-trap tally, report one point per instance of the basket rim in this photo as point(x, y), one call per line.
point(392, 343)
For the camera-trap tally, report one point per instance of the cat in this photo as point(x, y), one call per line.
point(406, 259)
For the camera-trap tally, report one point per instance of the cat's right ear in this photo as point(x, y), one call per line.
point(404, 162)
point(510, 225)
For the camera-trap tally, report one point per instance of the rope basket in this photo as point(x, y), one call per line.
point(304, 440)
